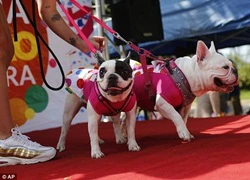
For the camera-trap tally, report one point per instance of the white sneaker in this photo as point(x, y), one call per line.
point(18, 149)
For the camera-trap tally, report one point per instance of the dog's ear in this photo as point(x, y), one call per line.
point(212, 48)
point(127, 59)
point(201, 51)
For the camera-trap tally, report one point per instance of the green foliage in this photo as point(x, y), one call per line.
point(244, 94)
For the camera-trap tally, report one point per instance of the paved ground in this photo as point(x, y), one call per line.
point(245, 105)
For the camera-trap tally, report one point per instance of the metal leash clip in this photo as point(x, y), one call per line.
point(99, 57)
point(118, 36)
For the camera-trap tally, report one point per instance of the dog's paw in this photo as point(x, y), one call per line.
point(97, 154)
point(60, 147)
point(133, 146)
point(184, 134)
point(121, 139)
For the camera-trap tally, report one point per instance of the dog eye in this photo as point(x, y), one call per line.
point(225, 67)
point(102, 72)
point(125, 73)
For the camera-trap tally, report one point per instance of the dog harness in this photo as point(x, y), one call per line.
point(171, 85)
point(82, 82)
point(167, 80)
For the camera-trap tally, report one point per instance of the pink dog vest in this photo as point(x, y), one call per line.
point(83, 83)
point(170, 83)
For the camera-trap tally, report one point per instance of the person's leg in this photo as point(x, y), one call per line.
point(203, 106)
point(15, 148)
point(214, 98)
point(6, 54)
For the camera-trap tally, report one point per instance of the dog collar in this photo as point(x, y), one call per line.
point(103, 106)
point(181, 82)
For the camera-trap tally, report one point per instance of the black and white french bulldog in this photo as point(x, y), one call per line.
point(106, 91)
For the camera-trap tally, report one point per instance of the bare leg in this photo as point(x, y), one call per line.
point(215, 102)
point(6, 54)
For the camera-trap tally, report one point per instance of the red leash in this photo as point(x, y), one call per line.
point(143, 53)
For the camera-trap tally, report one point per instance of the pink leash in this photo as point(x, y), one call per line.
point(117, 35)
point(142, 52)
point(96, 53)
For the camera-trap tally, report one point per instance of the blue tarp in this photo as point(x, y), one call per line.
point(226, 22)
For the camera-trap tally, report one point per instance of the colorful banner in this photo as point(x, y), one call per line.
point(33, 105)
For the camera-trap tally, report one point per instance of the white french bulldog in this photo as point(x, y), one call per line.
point(177, 83)
point(106, 91)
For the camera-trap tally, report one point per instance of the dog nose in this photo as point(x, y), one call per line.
point(235, 71)
point(112, 77)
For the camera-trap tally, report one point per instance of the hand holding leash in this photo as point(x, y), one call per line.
point(98, 42)
point(94, 44)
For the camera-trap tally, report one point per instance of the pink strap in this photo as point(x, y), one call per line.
point(145, 52)
point(148, 82)
point(142, 52)
point(115, 34)
point(95, 18)
point(91, 47)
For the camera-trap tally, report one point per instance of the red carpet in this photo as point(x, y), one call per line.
point(221, 150)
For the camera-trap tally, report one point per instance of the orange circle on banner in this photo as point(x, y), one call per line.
point(25, 44)
point(25, 47)
point(18, 108)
